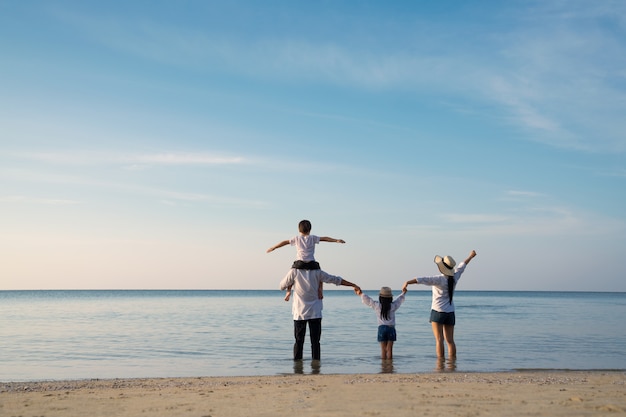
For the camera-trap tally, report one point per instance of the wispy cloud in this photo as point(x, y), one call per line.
point(185, 159)
point(108, 158)
point(556, 71)
point(560, 74)
point(95, 179)
point(20, 199)
point(531, 221)
point(466, 219)
point(529, 213)
point(616, 172)
point(92, 182)
point(170, 196)
point(517, 194)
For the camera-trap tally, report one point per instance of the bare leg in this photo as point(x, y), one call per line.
point(448, 333)
point(438, 333)
point(441, 364)
point(383, 350)
point(390, 350)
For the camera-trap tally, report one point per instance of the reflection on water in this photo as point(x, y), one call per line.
point(445, 365)
point(386, 366)
point(298, 367)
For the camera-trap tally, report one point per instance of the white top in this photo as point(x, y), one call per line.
point(395, 304)
point(441, 299)
point(306, 302)
point(305, 246)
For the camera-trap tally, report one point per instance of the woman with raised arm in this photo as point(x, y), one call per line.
point(442, 315)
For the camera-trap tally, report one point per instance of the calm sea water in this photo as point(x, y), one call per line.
point(53, 335)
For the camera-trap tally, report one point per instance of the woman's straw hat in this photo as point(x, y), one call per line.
point(446, 265)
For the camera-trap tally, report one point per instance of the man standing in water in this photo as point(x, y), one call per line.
point(307, 306)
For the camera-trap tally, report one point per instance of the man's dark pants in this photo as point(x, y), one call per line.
point(299, 331)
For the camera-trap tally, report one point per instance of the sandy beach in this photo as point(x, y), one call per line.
point(584, 393)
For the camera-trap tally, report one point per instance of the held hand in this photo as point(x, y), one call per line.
point(405, 286)
point(357, 290)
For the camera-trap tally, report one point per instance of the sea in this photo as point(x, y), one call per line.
point(108, 334)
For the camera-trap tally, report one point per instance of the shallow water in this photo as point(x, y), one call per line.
point(51, 335)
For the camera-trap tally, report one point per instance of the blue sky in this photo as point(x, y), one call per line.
point(168, 144)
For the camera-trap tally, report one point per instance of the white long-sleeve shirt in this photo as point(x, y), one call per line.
point(439, 283)
point(306, 302)
point(395, 304)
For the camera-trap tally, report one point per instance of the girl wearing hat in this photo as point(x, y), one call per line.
point(442, 315)
point(385, 309)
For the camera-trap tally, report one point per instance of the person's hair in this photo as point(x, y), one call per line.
point(450, 288)
point(304, 227)
point(385, 306)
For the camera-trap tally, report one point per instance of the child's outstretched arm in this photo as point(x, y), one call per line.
point(330, 239)
point(278, 245)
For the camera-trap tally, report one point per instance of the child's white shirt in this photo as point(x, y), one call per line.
point(305, 246)
point(391, 321)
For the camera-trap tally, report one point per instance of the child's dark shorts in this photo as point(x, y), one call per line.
point(386, 333)
point(442, 318)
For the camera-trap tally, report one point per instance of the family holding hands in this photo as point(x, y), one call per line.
point(305, 281)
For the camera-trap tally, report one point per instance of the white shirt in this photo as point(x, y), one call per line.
point(305, 246)
point(306, 302)
point(441, 299)
point(395, 304)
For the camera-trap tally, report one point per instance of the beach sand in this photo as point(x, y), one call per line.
point(584, 393)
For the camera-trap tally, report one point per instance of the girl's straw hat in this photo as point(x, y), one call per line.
point(386, 292)
point(446, 265)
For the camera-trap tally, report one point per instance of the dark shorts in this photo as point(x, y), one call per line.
point(442, 318)
point(386, 333)
point(305, 265)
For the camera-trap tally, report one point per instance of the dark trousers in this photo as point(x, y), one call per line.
point(299, 332)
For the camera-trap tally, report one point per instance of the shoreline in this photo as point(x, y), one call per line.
point(550, 392)
point(36, 382)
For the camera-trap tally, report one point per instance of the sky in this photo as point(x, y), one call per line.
point(168, 144)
